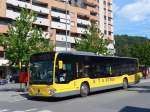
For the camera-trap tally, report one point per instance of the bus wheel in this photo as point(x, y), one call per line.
point(125, 84)
point(84, 90)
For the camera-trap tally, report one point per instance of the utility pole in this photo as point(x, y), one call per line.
point(66, 3)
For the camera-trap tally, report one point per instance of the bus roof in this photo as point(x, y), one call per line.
point(91, 54)
point(80, 53)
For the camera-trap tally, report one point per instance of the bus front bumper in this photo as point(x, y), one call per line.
point(42, 91)
point(36, 91)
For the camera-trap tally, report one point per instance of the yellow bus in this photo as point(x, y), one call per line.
point(60, 74)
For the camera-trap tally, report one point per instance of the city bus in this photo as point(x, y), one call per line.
point(61, 74)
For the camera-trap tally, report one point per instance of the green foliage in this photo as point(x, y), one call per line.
point(24, 38)
point(124, 43)
point(93, 41)
point(142, 52)
point(133, 46)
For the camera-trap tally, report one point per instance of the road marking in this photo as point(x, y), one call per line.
point(4, 110)
point(33, 109)
point(18, 111)
point(21, 99)
point(18, 100)
point(45, 111)
point(29, 110)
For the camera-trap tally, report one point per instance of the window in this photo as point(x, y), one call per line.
point(109, 4)
point(105, 32)
point(109, 18)
point(78, 66)
point(68, 73)
point(105, 17)
point(94, 67)
point(104, 2)
point(5, 21)
point(59, 10)
point(109, 33)
point(1, 54)
point(56, 19)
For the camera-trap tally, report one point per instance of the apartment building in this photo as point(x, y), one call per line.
point(62, 21)
point(54, 14)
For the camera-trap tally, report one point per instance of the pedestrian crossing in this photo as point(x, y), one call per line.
point(28, 110)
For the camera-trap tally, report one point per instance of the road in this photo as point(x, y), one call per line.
point(135, 99)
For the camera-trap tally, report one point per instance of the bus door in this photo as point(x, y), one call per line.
point(65, 77)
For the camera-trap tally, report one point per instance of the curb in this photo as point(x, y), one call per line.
point(145, 80)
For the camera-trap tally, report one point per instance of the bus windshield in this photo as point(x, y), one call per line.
point(41, 69)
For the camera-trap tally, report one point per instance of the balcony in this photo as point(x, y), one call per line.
point(62, 49)
point(110, 22)
point(60, 15)
point(82, 21)
point(59, 25)
point(40, 9)
point(63, 38)
point(65, 21)
point(94, 18)
point(93, 9)
point(42, 21)
point(91, 2)
point(19, 3)
point(11, 14)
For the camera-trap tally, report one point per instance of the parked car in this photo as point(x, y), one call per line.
point(3, 81)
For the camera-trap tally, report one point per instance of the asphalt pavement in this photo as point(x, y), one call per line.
point(135, 99)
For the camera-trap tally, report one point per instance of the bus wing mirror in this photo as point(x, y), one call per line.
point(60, 64)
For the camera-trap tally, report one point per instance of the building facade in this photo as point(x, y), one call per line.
point(54, 14)
point(62, 21)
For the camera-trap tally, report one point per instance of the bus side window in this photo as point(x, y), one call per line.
point(94, 71)
point(81, 70)
point(69, 72)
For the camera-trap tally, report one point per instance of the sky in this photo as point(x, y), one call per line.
point(132, 17)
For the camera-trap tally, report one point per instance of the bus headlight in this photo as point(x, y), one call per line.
point(52, 91)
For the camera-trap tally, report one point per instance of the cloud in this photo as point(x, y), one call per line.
point(137, 11)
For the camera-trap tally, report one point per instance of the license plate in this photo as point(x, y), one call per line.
point(38, 94)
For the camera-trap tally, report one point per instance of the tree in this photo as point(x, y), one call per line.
point(124, 43)
point(133, 46)
point(93, 41)
point(142, 52)
point(24, 39)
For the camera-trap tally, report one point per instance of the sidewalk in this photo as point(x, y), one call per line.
point(145, 80)
point(9, 87)
point(10, 93)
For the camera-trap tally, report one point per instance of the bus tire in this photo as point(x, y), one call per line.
point(125, 84)
point(84, 90)
point(30, 97)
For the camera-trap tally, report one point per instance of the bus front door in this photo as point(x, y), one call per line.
point(65, 79)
